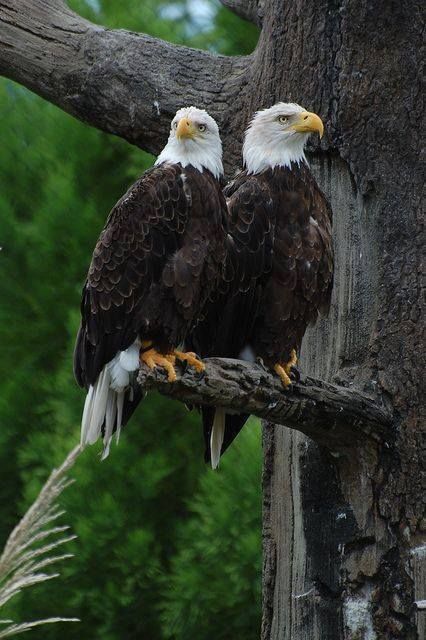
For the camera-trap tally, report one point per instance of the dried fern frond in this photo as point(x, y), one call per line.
point(14, 629)
point(26, 554)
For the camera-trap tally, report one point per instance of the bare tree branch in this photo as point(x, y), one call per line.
point(125, 83)
point(335, 417)
point(251, 10)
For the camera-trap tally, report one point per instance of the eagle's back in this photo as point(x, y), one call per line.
point(153, 267)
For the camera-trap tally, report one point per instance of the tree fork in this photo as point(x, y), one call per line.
point(125, 83)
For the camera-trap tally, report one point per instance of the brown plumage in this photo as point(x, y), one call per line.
point(154, 266)
point(280, 271)
point(300, 282)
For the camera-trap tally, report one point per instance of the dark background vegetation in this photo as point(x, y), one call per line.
point(166, 548)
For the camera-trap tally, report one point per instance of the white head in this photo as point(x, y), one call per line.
point(194, 139)
point(276, 137)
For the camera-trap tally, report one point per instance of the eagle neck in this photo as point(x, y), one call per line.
point(189, 153)
point(294, 168)
point(267, 151)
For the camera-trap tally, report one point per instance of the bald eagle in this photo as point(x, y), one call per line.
point(282, 259)
point(154, 266)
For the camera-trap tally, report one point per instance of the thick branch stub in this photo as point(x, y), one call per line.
point(124, 83)
point(335, 417)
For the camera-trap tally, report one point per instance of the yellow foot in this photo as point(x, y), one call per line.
point(291, 363)
point(152, 358)
point(190, 358)
point(285, 379)
point(284, 370)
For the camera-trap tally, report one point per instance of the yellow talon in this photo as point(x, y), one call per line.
point(152, 358)
point(191, 359)
point(284, 370)
point(292, 362)
point(283, 375)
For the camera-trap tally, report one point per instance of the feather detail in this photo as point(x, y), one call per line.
point(105, 450)
point(111, 410)
point(120, 404)
point(119, 376)
point(129, 359)
point(104, 406)
point(95, 408)
point(216, 438)
point(87, 412)
point(125, 362)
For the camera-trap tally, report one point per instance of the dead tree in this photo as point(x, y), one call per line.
point(344, 509)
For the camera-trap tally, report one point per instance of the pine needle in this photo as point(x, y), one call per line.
point(26, 554)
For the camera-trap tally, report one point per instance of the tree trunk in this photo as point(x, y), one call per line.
point(344, 525)
point(344, 532)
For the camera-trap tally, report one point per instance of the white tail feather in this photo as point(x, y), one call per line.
point(105, 399)
point(98, 406)
point(87, 412)
point(216, 437)
point(111, 411)
point(129, 359)
point(120, 404)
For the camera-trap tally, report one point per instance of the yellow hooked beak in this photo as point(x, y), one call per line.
point(308, 122)
point(185, 129)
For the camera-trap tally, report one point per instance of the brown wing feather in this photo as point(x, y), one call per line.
point(229, 316)
point(142, 230)
point(302, 274)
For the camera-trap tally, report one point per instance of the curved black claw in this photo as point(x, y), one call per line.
point(289, 388)
point(294, 374)
point(261, 364)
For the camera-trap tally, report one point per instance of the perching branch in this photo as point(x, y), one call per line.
point(125, 83)
point(251, 10)
point(335, 417)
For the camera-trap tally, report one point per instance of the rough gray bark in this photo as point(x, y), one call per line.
point(124, 83)
point(345, 535)
point(333, 416)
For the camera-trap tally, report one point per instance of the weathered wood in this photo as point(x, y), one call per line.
point(333, 416)
point(353, 551)
point(124, 83)
point(344, 536)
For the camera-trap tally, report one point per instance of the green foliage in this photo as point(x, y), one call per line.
point(146, 515)
point(213, 589)
point(204, 24)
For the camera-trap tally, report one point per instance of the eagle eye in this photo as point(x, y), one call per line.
point(202, 127)
point(283, 119)
point(175, 124)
